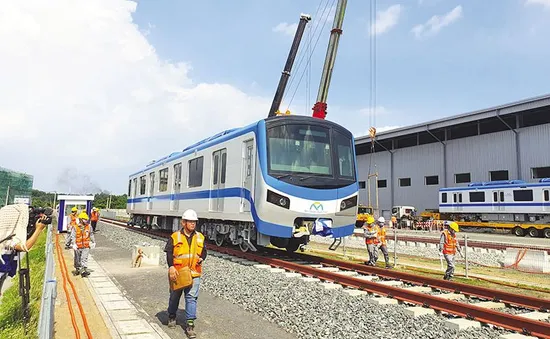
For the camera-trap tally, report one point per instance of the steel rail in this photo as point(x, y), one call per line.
point(515, 323)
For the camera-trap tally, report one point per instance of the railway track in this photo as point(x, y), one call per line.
point(394, 286)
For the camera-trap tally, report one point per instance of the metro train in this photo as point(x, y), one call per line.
point(498, 201)
point(276, 181)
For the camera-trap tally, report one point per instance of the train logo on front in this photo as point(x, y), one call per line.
point(316, 207)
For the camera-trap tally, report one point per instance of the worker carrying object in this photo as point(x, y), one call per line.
point(72, 223)
point(82, 240)
point(382, 239)
point(185, 252)
point(448, 246)
point(94, 217)
point(371, 240)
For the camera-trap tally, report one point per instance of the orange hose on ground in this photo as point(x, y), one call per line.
point(63, 274)
point(81, 309)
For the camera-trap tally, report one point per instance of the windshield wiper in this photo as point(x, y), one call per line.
point(307, 177)
point(283, 176)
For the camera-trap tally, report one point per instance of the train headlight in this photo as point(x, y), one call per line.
point(348, 203)
point(278, 199)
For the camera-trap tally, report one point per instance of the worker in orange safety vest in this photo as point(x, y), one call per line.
point(382, 240)
point(72, 223)
point(82, 240)
point(94, 218)
point(448, 246)
point(186, 247)
point(371, 240)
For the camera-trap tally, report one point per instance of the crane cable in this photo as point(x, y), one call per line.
point(372, 78)
point(311, 54)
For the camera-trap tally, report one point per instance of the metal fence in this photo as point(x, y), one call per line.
point(479, 256)
point(49, 291)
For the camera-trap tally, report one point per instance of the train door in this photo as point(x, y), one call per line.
point(546, 200)
point(498, 201)
point(176, 187)
point(219, 163)
point(457, 202)
point(134, 190)
point(151, 190)
point(247, 172)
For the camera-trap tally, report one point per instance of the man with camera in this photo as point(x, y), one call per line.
point(11, 246)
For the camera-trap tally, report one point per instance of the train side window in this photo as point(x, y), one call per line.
point(152, 185)
point(546, 195)
point(129, 187)
point(224, 167)
point(523, 195)
point(477, 196)
point(460, 197)
point(142, 184)
point(454, 197)
point(195, 172)
point(501, 196)
point(163, 180)
point(443, 197)
point(495, 196)
point(135, 186)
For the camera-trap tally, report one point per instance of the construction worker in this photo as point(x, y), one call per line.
point(371, 240)
point(82, 239)
point(72, 223)
point(448, 246)
point(382, 240)
point(94, 218)
point(185, 247)
point(393, 222)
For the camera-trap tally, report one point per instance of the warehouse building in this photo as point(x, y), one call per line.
point(507, 142)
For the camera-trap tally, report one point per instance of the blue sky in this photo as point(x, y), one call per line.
point(484, 55)
point(97, 89)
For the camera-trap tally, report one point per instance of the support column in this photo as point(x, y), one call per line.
point(61, 215)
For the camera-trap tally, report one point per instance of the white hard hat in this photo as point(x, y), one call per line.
point(381, 220)
point(190, 215)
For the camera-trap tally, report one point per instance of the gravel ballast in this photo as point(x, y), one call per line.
point(307, 309)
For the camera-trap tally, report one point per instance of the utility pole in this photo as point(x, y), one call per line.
point(304, 19)
point(320, 107)
point(7, 196)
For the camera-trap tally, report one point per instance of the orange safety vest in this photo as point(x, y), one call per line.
point(382, 235)
point(94, 216)
point(449, 246)
point(83, 237)
point(370, 241)
point(72, 223)
point(185, 255)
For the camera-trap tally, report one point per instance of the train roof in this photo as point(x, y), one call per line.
point(232, 132)
point(498, 184)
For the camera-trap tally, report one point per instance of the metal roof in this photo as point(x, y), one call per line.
point(514, 107)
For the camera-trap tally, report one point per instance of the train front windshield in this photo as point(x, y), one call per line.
point(310, 155)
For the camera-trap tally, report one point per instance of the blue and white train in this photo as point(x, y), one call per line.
point(266, 183)
point(499, 201)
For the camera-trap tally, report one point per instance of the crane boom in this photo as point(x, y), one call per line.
point(320, 107)
point(304, 19)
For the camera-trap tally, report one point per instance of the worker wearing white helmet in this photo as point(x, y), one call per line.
point(448, 246)
point(185, 252)
point(382, 240)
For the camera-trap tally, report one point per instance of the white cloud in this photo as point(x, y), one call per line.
point(379, 110)
point(386, 19)
point(436, 23)
point(544, 3)
point(82, 89)
point(286, 28)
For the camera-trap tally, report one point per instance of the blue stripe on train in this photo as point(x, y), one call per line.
point(264, 227)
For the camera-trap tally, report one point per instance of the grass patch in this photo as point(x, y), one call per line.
point(11, 313)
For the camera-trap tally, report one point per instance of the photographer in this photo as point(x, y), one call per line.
point(10, 248)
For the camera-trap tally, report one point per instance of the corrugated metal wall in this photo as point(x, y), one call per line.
point(476, 155)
